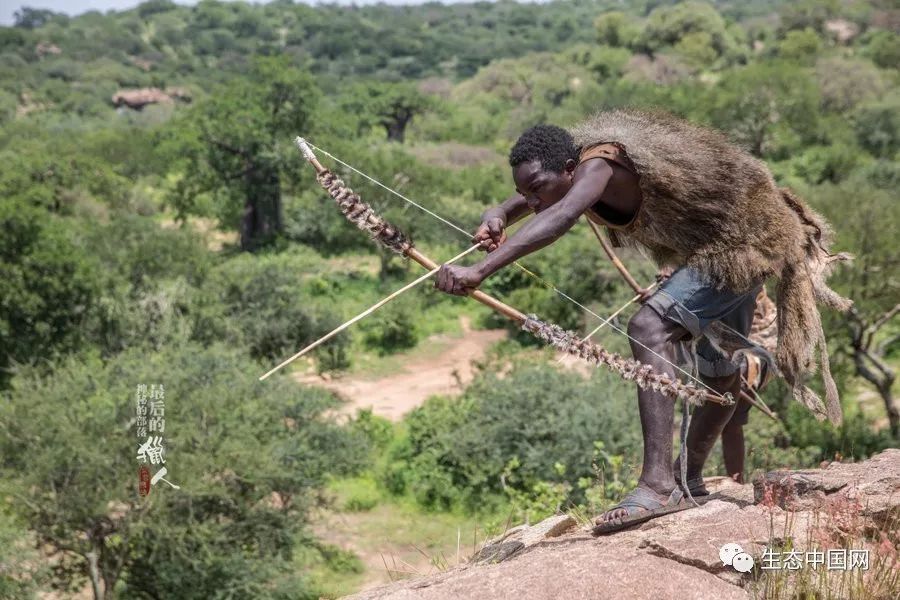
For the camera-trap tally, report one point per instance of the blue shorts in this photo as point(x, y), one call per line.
point(693, 301)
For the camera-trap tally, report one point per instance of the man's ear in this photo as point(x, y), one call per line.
point(570, 165)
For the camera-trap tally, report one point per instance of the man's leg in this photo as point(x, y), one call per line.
point(733, 450)
point(653, 342)
point(707, 423)
point(683, 306)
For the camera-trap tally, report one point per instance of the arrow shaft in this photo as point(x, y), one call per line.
point(367, 312)
point(364, 217)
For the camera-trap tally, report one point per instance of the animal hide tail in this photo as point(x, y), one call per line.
point(802, 284)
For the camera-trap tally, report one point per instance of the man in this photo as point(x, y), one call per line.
point(695, 201)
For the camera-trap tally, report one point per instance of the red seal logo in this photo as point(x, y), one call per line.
point(144, 481)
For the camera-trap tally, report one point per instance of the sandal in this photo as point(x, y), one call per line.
point(642, 505)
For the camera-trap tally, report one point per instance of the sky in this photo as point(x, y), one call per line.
point(75, 7)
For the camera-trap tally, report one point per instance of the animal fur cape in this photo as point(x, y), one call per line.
point(709, 204)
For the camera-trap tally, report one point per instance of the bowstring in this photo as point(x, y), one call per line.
point(535, 276)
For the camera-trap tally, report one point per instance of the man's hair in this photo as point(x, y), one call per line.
point(550, 144)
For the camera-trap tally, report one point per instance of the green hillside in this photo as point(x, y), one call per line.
point(159, 226)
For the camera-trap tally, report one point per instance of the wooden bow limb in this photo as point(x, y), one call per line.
point(608, 319)
point(367, 312)
point(364, 217)
point(756, 401)
point(616, 262)
point(641, 292)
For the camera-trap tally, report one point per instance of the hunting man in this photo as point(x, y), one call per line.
point(698, 203)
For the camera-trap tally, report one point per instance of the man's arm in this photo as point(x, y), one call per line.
point(548, 226)
point(510, 210)
point(491, 233)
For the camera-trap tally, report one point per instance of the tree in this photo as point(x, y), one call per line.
point(869, 352)
point(807, 13)
point(877, 125)
point(847, 82)
point(33, 18)
point(884, 48)
point(667, 25)
point(249, 457)
point(154, 7)
point(800, 46)
point(389, 105)
point(616, 29)
point(868, 230)
point(239, 145)
point(769, 108)
point(48, 286)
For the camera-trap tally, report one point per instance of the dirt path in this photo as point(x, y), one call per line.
point(394, 395)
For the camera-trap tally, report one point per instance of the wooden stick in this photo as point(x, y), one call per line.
point(490, 301)
point(608, 319)
point(757, 402)
point(367, 312)
point(502, 308)
point(615, 260)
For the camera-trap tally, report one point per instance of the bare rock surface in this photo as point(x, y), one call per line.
point(876, 488)
point(676, 555)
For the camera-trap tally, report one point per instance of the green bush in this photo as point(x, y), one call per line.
point(392, 328)
point(545, 420)
point(877, 125)
point(359, 494)
point(49, 286)
point(884, 48)
point(251, 459)
point(378, 430)
point(265, 303)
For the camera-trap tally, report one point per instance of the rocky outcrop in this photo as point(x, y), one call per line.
point(842, 30)
point(44, 48)
point(849, 506)
point(137, 99)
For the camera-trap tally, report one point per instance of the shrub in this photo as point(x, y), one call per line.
point(392, 328)
point(544, 420)
point(359, 494)
point(48, 284)
point(250, 457)
point(266, 303)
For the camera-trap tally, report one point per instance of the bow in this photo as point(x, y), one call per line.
point(391, 237)
point(640, 292)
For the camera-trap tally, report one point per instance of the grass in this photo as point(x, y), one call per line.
point(391, 537)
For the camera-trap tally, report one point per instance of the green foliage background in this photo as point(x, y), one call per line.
point(127, 256)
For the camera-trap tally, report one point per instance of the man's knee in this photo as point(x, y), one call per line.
point(724, 383)
point(650, 329)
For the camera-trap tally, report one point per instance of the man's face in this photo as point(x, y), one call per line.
point(540, 187)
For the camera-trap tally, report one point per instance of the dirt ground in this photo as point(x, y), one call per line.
point(394, 395)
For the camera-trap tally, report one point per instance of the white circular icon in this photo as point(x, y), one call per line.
point(742, 562)
point(728, 552)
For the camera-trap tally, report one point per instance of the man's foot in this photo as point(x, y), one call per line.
point(641, 504)
point(695, 486)
point(694, 483)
